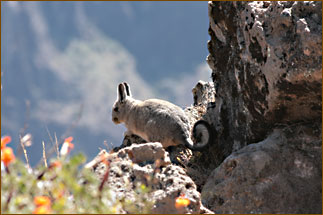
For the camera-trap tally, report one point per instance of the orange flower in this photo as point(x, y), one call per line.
point(55, 164)
point(181, 202)
point(69, 139)
point(4, 141)
point(67, 146)
point(7, 156)
point(42, 201)
point(42, 210)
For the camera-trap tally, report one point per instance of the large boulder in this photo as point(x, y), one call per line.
point(266, 60)
point(281, 174)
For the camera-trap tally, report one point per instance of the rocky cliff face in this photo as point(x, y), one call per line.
point(267, 68)
point(266, 60)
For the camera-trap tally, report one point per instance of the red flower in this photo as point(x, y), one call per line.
point(42, 210)
point(55, 164)
point(42, 201)
point(67, 146)
point(181, 202)
point(7, 156)
point(69, 139)
point(4, 141)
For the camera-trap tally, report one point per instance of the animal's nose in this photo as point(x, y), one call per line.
point(115, 120)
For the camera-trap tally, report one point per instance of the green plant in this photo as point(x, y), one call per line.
point(62, 187)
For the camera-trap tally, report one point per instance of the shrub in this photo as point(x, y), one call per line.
point(63, 187)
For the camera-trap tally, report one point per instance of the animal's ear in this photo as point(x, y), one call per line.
point(121, 92)
point(127, 89)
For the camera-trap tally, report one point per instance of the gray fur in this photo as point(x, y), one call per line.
point(156, 120)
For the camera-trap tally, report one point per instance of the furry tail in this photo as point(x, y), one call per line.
point(203, 135)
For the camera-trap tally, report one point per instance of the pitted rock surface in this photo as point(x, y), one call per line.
point(149, 164)
point(266, 63)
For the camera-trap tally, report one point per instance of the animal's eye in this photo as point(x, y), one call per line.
point(116, 109)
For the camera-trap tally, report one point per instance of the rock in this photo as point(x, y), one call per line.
point(148, 153)
point(174, 182)
point(281, 174)
point(203, 93)
point(128, 140)
point(266, 63)
point(148, 164)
